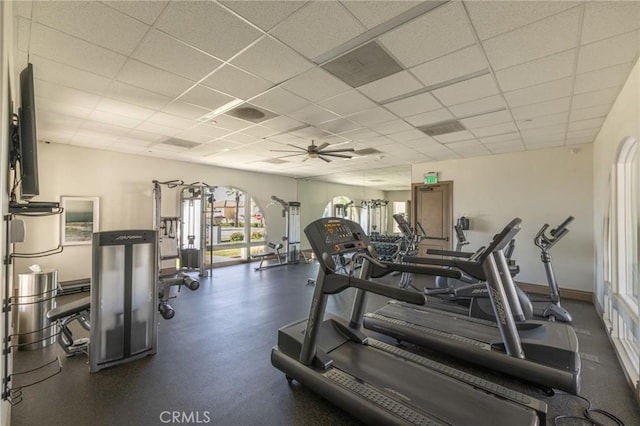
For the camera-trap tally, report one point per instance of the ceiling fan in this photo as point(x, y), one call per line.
point(317, 151)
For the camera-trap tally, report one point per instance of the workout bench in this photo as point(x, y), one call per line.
point(275, 254)
point(64, 315)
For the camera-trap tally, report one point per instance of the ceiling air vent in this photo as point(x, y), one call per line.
point(180, 142)
point(251, 113)
point(367, 151)
point(367, 63)
point(442, 128)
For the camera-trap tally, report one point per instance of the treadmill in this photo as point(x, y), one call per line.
point(376, 382)
point(540, 352)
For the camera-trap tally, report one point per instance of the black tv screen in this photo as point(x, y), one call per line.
point(29, 187)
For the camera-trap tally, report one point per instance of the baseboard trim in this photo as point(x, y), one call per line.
point(566, 293)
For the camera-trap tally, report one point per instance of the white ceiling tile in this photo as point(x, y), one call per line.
point(67, 95)
point(543, 144)
point(158, 129)
point(202, 133)
point(115, 119)
point(540, 93)
point(264, 14)
point(550, 131)
point(316, 85)
point(141, 136)
point(454, 137)
point(207, 26)
point(24, 8)
point(60, 47)
point(602, 78)
point(280, 101)
point(407, 135)
point(434, 34)
point(487, 120)
point(58, 120)
point(542, 38)
point(165, 52)
point(491, 18)
point(52, 105)
point(497, 129)
point(479, 106)
point(172, 121)
point(106, 130)
point(544, 121)
point(467, 90)
point(133, 141)
point(390, 127)
point(339, 125)
point(360, 135)
point(347, 103)
point(543, 108)
point(598, 97)
point(145, 11)
point(272, 60)
point(430, 117)
point(373, 13)
point(463, 62)
point(504, 139)
point(92, 139)
point(469, 148)
point(582, 133)
point(539, 71)
point(414, 105)
point(592, 123)
point(504, 149)
point(310, 132)
point(135, 95)
point(282, 123)
point(237, 83)
point(373, 116)
point(612, 51)
point(577, 141)
point(390, 87)
point(205, 97)
point(604, 19)
point(227, 122)
point(23, 34)
point(93, 22)
point(64, 75)
point(590, 112)
point(116, 107)
point(184, 110)
point(259, 131)
point(313, 114)
point(154, 79)
point(317, 28)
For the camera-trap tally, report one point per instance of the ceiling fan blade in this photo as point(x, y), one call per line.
point(322, 146)
point(293, 155)
point(326, 160)
point(287, 150)
point(338, 150)
point(336, 155)
point(297, 147)
point(305, 159)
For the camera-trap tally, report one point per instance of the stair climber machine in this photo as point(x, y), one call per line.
point(376, 382)
point(550, 308)
point(543, 353)
point(468, 295)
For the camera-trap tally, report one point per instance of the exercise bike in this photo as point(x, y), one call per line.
point(550, 308)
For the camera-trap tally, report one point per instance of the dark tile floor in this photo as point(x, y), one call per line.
point(213, 365)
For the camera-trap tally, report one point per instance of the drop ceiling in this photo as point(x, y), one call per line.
point(498, 77)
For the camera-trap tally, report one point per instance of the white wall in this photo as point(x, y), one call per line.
point(541, 186)
point(623, 121)
point(123, 183)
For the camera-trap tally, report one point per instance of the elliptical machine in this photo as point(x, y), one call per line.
point(551, 308)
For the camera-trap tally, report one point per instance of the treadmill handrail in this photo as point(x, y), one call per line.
point(335, 283)
point(390, 267)
point(450, 253)
point(470, 267)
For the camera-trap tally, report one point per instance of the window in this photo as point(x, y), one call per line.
point(620, 251)
point(399, 207)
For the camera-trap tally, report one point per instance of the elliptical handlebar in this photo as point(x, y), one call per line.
point(545, 242)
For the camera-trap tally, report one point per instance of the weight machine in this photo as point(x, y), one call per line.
point(373, 217)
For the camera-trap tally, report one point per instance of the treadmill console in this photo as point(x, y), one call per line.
point(334, 235)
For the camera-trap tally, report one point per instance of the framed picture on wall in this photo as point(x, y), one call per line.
point(79, 219)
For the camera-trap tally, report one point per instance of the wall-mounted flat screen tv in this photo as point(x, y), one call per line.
point(28, 156)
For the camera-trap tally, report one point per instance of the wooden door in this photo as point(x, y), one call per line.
point(433, 206)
